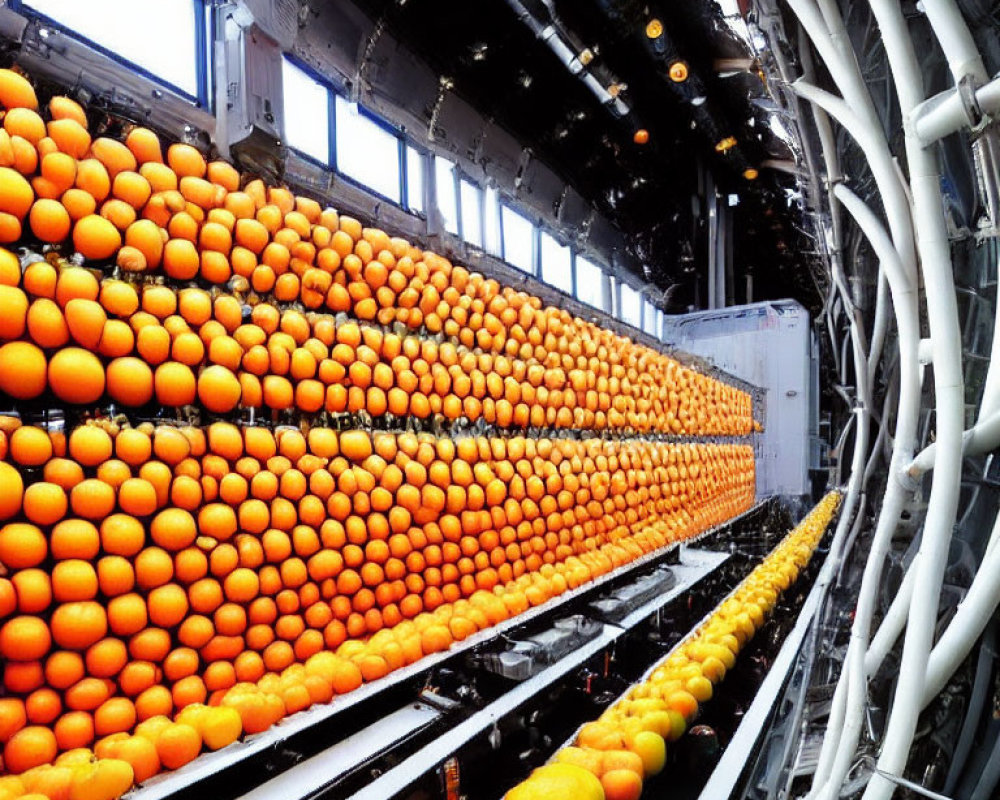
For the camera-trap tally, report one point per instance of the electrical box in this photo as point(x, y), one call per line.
point(770, 345)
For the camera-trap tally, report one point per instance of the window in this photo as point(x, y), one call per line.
point(491, 220)
point(659, 325)
point(447, 194)
point(518, 240)
point(630, 306)
point(415, 179)
point(590, 283)
point(161, 38)
point(472, 215)
point(367, 151)
point(649, 318)
point(307, 112)
point(557, 264)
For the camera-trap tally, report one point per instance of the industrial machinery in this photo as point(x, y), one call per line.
point(519, 399)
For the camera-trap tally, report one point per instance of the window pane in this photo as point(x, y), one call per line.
point(631, 306)
point(492, 222)
point(415, 179)
point(447, 201)
point(307, 110)
point(659, 325)
point(472, 218)
point(557, 264)
point(649, 318)
point(366, 151)
point(518, 240)
point(590, 282)
point(157, 36)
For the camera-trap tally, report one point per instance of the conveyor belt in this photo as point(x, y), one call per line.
point(209, 766)
point(694, 567)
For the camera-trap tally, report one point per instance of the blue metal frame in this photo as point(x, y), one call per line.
point(572, 271)
point(459, 179)
point(202, 55)
point(331, 141)
point(423, 160)
point(384, 125)
point(404, 170)
point(535, 269)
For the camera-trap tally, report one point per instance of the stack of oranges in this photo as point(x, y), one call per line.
point(192, 224)
point(170, 585)
point(627, 744)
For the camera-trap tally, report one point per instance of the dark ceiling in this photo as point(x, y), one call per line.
point(653, 191)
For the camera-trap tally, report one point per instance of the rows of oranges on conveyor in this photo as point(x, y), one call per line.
point(154, 570)
point(181, 220)
point(611, 757)
point(168, 587)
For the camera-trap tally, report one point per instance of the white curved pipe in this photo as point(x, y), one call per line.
point(942, 313)
point(892, 623)
point(974, 612)
point(904, 297)
point(980, 438)
point(896, 205)
point(876, 150)
point(990, 404)
point(956, 40)
point(944, 114)
point(880, 327)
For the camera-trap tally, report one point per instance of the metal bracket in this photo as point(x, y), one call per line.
point(978, 119)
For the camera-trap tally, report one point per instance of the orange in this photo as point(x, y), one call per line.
point(23, 366)
point(218, 389)
point(92, 498)
point(11, 488)
point(621, 784)
point(130, 381)
point(76, 376)
point(174, 384)
point(24, 639)
point(13, 717)
point(44, 503)
point(29, 747)
point(177, 744)
point(173, 529)
point(90, 445)
point(16, 193)
point(96, 237)
point(49, 220)
point(74, 579)
point(74, 729)
point(115, 715)
point(77, 625)
point(30, 446)
point(22, 545)
point(33, 588)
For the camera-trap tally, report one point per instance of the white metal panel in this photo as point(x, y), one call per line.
point(768, 345)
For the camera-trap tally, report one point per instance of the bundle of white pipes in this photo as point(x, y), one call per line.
point(917, 236)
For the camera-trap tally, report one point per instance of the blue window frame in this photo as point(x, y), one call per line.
point(590, 283)
point(415, 166)
point(471, 199)
point(649, 317)
point(446, 187)
point(306, 112)
point(492, 240)
point(557, 264)
point(518, 236)
point(166, 40)
point(369, 150)
point(629, 305)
